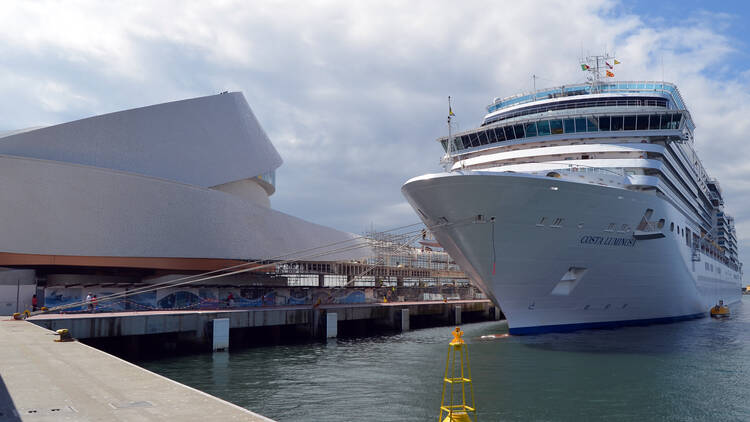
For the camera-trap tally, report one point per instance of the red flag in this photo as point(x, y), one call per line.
point(610, 74)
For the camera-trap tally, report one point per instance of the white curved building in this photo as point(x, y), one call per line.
point(183, 185)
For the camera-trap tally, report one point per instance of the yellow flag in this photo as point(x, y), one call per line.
point(617, 62)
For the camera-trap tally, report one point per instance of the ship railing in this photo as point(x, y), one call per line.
point(582, 89)
point(548, 108)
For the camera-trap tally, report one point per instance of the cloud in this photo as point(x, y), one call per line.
point(353, 94)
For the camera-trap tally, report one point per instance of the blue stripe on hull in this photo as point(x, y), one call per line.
point(562, 328)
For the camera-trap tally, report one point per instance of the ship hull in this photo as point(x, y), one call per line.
point(559, 256)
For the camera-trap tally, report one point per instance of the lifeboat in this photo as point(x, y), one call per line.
point(720, 310)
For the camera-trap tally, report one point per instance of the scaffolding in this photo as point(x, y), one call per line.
point(399, 259)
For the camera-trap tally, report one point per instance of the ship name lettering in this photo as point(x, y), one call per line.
point(607, 241)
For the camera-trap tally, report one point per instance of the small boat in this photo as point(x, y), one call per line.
point(720, 310)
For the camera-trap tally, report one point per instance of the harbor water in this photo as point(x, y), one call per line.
point(689, 371)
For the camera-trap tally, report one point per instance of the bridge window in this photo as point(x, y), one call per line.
point(543, 127)
point(675, 121)
point(570, 126)
point(509, 135)
point(654, 121)
point(616, 122)
point(482, 138)
point(629, 123)
point(499, 134)
point(580, 124)
point(519, 131)
point(666, 121)
point(592, 124)
point(556, 126)
point(642, 122)
point(530, 129)
point(604, 123)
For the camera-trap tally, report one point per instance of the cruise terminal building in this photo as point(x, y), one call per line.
point(179, 187)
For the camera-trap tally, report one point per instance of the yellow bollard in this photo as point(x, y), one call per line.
point(64, 335)
point(457, 412)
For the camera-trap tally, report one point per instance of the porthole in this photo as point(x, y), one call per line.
point(671, 226)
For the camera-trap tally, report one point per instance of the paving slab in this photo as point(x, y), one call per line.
point(42, 380)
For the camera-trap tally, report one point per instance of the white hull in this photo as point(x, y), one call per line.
point(620, 280)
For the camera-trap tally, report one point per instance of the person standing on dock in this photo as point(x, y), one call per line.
point(89, 307)
point(93, 304)
point(230, 300)
point(34, 302)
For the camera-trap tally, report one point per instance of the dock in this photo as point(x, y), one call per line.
point(43, 380)
point(312, 321)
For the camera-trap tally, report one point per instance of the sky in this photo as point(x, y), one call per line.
point(354, 94)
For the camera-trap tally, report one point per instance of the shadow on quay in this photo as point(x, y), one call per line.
point(8, 411)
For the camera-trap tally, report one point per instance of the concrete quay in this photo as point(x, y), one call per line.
point(314, 322)
point(42, 380)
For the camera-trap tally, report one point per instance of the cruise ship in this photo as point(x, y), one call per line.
point(584, 206)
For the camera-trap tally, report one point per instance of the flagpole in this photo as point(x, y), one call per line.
point(447, 162)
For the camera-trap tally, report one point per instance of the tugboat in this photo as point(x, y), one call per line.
point(720, 310)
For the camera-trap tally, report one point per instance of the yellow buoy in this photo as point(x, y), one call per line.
point(455, 375)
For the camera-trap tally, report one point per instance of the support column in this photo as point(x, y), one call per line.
point(457, 315)
point(498, 313)
point(321, 280)
point(220, 334)
point(332, 325)
point(405, 320)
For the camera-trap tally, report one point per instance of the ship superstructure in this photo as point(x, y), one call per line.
point(584, 205)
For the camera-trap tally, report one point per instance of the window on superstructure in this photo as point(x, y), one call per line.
point(616, 122)
point(570, 125)
point(629, 123)
point(604, 123)
point(666, 121)
point(580, 124)
point(474, 137)
point(482, 138)
point(675, 121)
point(518, 129)
point(543, 128)
point(530, 129)
point(509, 135)
point(499, 134)
point(653, 121)
point(592, 124)
point(642, 123)
point(556, 127)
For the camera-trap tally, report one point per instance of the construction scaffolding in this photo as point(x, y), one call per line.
point(400, 259)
